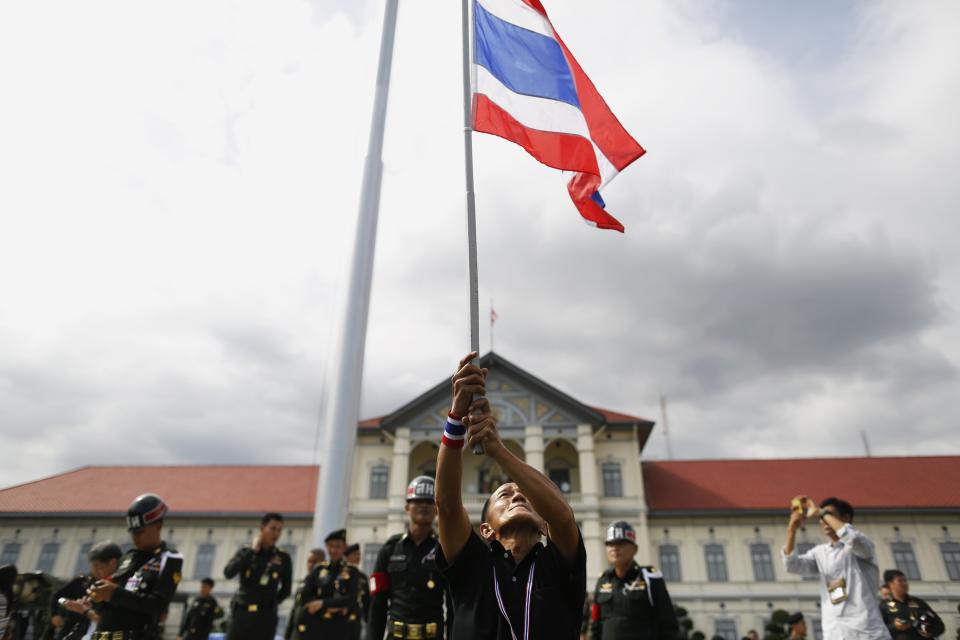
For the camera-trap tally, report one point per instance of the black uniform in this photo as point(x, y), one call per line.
point(75, 625)
point(265, 582)
point(198, 622)
point(294, 611)
point(337, 584)
point(146, 582)
point(914, 612)
point(409, 591)
point(483, 575)
point(636, 607)
point(362, 608)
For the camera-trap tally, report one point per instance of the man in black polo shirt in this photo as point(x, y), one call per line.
point(506, 584)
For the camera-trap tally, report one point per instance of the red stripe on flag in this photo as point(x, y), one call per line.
point(581, 187)
point(563, 151)
point(607, 132)
point(536, 6)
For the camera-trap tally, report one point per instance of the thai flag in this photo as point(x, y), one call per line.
point(530, 90)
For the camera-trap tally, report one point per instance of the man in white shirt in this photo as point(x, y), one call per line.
point(847, 567)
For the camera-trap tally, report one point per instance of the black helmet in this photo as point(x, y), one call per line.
point(420, 488)
point(620, 531)
point(145, 510)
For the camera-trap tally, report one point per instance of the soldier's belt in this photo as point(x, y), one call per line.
point(256, 608)
point(119, 635)
point(413, 631)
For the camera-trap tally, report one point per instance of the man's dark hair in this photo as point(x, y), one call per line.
point(892, 574)
point(267, 517)
point(844, 508)
point(105, 552)
point(208, 581)
point(319, 552)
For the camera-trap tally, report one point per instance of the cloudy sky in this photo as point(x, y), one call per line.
point(179, 183)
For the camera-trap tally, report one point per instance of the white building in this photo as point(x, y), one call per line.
point(713, 527)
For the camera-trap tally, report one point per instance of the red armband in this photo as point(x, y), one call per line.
point(379, 583)
point(595, 612)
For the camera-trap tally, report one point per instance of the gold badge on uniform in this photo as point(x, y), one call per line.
point(302, 628)
point(324, 573)
point(176, 577)
point(431, 584)
point(275, 575)
point(606, 587)
point(344, 575)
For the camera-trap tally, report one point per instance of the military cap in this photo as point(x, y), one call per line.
point(144, 511)
point(339, 534)
point(351, 549)
point(795, 618)
point(621, 531)
point(420, 488)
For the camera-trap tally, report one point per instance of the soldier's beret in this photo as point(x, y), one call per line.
point(339, 534)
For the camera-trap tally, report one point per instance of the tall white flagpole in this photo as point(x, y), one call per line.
point(467, 24)
point(341, 411)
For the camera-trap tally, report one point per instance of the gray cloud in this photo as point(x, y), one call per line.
point(788, 276)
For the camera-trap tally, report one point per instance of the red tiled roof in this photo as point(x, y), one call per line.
point(688, 485)
point(371, 423)
point(208, 489)
point(617, 417)
point(742, 485)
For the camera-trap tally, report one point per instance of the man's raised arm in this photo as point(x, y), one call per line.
point(544, 496)
point(453, 522)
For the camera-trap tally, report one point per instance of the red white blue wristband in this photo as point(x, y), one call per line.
point(453, 432)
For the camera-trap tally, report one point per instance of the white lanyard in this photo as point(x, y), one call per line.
point(526, 604)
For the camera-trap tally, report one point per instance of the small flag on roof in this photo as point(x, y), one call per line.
point(530, 90)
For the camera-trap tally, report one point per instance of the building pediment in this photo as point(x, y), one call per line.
point(518, 399)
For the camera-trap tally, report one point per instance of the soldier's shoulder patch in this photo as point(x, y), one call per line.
point(606, 587)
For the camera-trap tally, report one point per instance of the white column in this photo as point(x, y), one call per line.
point(589, 515)
point(588, 465)
point(399, 469)
point(641, 526)
point(533, 445)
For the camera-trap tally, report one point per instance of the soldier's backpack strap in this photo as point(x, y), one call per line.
point(650, 573)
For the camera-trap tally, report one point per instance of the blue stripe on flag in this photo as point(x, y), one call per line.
point(596, 198)
point(526, 62)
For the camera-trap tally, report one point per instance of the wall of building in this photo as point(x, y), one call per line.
point(748, 602)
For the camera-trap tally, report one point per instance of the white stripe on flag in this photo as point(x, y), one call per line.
point(516, 12)
point(607, 171)
point(536, 113)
